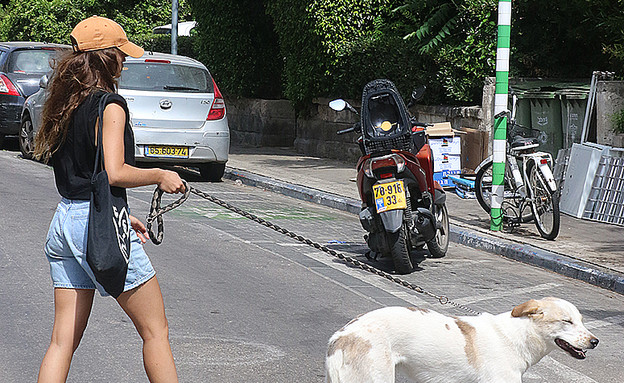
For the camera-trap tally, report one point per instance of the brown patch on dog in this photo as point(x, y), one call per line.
point(424, 311)
point(352, 346)
point(527, 308)
point(470, 349)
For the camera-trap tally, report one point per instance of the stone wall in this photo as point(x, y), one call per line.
point(609, 100)
point(258, 123)
point(316, 132)
point(255, 122)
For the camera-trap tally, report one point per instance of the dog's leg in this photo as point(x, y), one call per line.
point(350, 359)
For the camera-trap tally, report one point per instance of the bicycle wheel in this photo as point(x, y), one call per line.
point(483, 191)
point(544, 204)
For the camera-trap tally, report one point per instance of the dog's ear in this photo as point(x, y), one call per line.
point(526, 309)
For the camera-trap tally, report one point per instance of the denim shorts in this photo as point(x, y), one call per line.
point(66, 246)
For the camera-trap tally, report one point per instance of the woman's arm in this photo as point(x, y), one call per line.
point(121, 174)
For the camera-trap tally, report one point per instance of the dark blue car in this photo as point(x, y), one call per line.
point(22, 64)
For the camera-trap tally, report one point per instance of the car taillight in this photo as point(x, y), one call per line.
point(7, 87)
point(217, 110)
point(391, 160)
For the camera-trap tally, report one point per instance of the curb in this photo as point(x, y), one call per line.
point(525, 253)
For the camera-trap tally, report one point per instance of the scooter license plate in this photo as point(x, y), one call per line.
point(389, 196)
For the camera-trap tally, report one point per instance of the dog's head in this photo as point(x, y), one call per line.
point(558, 321)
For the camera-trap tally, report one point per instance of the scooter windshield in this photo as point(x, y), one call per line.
point(383, 115)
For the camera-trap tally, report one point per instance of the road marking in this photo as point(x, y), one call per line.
point(564, 373)
point(508, 292)
point(609, 321)
point(369, 279)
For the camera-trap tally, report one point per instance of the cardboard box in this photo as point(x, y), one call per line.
point(474, 148)
point(446, 153)
point(446, 161)
point(440, 129)
point(446, 145)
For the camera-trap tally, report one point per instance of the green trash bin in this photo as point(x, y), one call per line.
point(573, 106)
point(523, 109)
point(546, 117)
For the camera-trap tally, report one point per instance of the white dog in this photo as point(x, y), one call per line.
point(430, 347)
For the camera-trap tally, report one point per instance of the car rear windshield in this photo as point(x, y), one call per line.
point(31, 61)
point(165, 77)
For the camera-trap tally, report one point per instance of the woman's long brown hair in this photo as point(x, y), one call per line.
point(75, 76)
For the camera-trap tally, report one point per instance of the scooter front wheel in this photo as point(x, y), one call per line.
point(439, 245)
point(400, 250)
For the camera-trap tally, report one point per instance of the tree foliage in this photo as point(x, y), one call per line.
point(53, 20)
point(238, 44)
point(326, 48)
point(567, 39)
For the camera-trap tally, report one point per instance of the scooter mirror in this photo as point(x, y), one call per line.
point(338, 105)
point(418, 93)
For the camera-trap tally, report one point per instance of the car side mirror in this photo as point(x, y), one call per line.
point(43, 81)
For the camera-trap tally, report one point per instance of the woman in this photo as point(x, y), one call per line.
point(68, 138)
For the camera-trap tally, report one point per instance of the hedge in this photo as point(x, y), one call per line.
point(239, 46)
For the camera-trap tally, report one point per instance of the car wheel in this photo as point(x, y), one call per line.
point(212, 172)
point(27, 138)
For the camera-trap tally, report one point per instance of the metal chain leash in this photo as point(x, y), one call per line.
point(156, 213)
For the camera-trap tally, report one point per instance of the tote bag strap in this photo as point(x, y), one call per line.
point(99, 153)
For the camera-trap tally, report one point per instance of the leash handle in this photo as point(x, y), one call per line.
point(156, 212)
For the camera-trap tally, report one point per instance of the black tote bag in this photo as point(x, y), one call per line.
point(108, 240)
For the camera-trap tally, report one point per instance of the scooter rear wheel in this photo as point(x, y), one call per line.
point(400, 250)
point(439, 245)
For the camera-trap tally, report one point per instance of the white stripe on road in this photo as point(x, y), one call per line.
point(609, 321)
point(563, 373)
point(508, 292)
point(370, 279)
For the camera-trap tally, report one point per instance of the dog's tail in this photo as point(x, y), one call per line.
point(333, 365)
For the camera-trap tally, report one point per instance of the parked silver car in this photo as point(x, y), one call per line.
point(176, 110)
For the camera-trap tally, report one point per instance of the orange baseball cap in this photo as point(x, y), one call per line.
point(98, 32)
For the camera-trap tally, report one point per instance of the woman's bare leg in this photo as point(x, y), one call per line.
point(71, 313)
point(144, 305)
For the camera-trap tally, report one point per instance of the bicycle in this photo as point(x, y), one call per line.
point(529, 184)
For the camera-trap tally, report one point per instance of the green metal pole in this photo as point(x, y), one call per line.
point(499, 137)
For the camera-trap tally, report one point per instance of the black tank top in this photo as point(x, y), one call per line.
point(73, 161)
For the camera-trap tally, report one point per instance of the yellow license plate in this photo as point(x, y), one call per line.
point(389, 196)
point(166, 151)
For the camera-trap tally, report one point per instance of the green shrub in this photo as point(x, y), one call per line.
point(617, 121)
point(162, 43)
point(335, 47)
point(236, 41)
point(53, 20)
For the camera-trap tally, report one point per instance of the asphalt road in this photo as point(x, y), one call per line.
point(247, 304)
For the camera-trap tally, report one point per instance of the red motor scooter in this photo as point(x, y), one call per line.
point(403, 208)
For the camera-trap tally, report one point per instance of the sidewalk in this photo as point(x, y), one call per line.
point(589, 251)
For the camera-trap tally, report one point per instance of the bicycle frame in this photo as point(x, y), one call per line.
point(542, 160)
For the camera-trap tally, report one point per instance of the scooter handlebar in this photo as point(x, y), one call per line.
point(348, 130)
point(355, 127)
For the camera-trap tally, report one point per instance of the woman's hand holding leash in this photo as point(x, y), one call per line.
point(170, 182)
